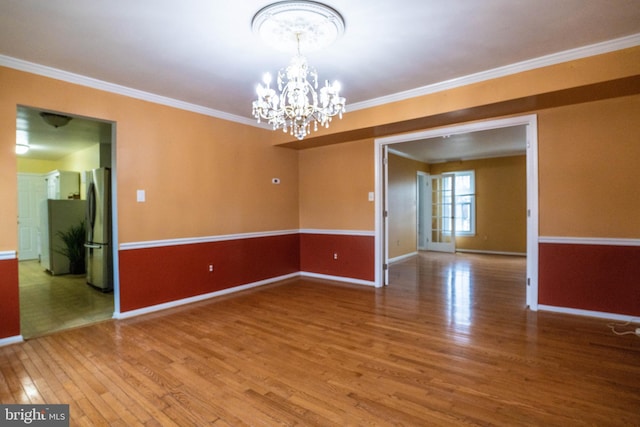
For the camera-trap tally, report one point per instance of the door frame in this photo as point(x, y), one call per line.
point(380, 169)
point(421, 196)
point(114, 202)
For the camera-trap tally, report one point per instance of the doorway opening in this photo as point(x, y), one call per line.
point(54, 174)
point(526, 124)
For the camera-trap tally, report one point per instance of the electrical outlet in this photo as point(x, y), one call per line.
point(335, 255)
point(638, 332)
point(210, 268)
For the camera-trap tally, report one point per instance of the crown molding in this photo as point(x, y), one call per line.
point(543, 61)
point(519, 67)
point(54, 73)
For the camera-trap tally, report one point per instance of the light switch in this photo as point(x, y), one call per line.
point(140, 196)
point(371, 196)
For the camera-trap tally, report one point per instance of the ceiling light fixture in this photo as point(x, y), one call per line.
point(22, 148)
point(55, 120)
point(296, 25)
point(22, 141)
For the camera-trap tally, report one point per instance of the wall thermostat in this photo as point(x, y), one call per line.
point(275, 180)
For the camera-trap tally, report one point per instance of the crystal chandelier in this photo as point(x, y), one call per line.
point(297, 105)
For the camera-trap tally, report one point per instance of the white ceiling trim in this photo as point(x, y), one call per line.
point(556, 58)
point(81, 80)
point(531, 64)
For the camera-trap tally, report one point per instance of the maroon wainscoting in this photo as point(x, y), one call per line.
point(9, 299)
point(355, 255)
point(601, 278)
point(152, 276)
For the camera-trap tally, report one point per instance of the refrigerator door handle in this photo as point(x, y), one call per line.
point(91, 205)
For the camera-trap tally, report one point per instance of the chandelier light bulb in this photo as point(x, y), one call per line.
point(297, 105)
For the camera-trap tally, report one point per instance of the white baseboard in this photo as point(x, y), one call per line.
point(177, 303)
point(473, 251)
point(469, 251)
point(337, 278)
point(402, 257)
point(11, 340)
point(587, 313)
point(197, 298)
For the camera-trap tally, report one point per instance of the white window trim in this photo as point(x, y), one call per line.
point(472, 232)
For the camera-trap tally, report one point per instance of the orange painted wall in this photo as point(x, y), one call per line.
point(203, 176)
point(591, 70)
point(402, 202)
point(334, 185)
point(206, 176)
point(589, 158)
point(501, 203)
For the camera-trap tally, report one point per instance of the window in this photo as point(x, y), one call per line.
point(465, 203)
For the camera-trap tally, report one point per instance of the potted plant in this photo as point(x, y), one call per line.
point(73, 239)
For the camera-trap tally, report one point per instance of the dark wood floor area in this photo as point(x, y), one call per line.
point(450, 342)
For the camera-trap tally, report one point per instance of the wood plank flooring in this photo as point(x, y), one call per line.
point(449, 342)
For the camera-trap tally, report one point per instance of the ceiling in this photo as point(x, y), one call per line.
point(49, 143)
point(500, 142)
point(203, 53)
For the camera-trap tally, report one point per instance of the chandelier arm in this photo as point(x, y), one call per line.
point(296, 103)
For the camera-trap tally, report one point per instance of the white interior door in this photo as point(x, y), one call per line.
point(31, 189)
point(423, 224)
point(440, 209)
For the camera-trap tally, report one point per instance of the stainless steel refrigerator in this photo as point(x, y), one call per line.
point(99, 250)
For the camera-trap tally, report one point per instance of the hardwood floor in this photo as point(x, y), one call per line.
point(449, 342)
point(53, 303)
